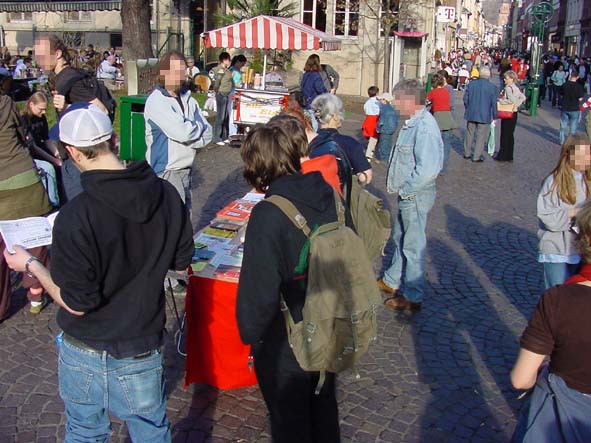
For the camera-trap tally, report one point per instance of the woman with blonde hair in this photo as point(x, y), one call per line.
point(510, 95)
point(562, 194)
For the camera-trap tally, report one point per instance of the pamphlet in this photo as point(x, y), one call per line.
point(227, 272)
point(28, 232)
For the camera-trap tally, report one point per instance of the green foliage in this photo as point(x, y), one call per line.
point(244, 9)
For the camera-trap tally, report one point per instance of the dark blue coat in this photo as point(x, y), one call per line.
point(480, 101)
point(312, 86)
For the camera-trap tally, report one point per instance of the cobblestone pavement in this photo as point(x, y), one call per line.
point(438, 376)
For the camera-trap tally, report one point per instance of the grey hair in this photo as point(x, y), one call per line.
point(411, 87)
point(326, 106)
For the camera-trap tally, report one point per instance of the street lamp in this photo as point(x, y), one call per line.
point(541, 13)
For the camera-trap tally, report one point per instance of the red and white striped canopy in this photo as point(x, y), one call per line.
point(266, 32)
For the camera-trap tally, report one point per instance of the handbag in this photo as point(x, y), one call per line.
point(505, 111)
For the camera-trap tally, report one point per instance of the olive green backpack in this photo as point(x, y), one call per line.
point(342, 297)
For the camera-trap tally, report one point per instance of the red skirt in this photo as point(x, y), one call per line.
point(369, 126)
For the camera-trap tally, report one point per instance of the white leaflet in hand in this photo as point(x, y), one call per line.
point(27, 232)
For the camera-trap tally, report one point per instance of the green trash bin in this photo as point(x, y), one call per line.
point(132, 137)
point(429, 84)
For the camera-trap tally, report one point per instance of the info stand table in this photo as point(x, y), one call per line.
point(215, 354)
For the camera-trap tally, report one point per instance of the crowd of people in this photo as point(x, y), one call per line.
point(123, 228)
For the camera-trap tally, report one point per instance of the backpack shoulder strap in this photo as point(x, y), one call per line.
point(339, 207)
point(291, 212)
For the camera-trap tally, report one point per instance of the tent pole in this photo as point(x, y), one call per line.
point(264, 70)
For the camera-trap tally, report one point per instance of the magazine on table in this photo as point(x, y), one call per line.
point(29, 232)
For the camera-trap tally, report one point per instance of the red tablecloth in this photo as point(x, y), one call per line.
point(215, 353)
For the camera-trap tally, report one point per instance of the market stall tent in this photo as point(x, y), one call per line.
point(269, 32)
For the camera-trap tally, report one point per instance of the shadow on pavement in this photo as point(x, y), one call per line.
point(464, 352)
point(505, 253)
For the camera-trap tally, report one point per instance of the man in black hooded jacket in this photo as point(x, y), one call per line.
point(112, 246)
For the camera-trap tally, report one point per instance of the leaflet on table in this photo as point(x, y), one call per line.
point(211, 240)
point(227, 272)
point(27, 232)
point(237, 210)
point(253, 197)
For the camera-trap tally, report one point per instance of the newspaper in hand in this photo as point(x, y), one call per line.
point(27, 232)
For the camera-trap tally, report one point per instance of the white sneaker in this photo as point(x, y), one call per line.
point(220, 143)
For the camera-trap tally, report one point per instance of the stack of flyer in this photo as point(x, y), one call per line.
point(217, 245)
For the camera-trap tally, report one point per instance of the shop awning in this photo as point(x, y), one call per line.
point(266, 32)
point(59, 6)
point(410, 34)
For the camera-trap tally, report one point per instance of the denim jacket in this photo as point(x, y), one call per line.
point(417, 157)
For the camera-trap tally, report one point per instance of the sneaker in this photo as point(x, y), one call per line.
point(38, 306)
point(220, 143)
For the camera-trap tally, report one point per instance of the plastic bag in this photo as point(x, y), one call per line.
point(210, 104)
point(491, 139)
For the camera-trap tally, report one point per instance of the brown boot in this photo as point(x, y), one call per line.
point(385, 288)
point(402, 304)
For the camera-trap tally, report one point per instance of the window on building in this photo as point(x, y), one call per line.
point(20, 16)
point(314, 14)
point(393, 7)
point(78, 16)
point(346, 17)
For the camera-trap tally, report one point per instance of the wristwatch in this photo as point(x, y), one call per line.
point(28, 263)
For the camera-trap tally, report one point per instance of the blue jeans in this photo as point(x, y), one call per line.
point(220, 126)
point(571, 119)
point(446, 137)
point(384, 147)
point(558, 273)
point(410, 242)
point(92, 384)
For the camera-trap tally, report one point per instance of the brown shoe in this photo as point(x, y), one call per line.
point(387, 289)
point(402, 304)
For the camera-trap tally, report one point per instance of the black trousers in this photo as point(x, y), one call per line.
point(507, 139)
point(297, 414)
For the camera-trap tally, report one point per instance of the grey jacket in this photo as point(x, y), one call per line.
point(554, 230)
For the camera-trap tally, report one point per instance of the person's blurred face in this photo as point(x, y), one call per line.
point(175, 76)
point(509, 80)
point(38, 110)
point(43, 53)
point(407, 104)
point(580, 159)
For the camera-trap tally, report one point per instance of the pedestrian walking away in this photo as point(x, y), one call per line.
point(562, 194)
point(572, 99)
point(112, 247)
point(415, 164)
point(480, 104)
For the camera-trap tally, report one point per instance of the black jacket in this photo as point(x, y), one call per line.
point(271, 256)
point(112, 246)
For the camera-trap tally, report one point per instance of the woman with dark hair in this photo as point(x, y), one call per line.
point(312, 84)
point(440, 100)
point(560, 404)
point(273, 265)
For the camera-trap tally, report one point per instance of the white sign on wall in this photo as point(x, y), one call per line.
point(446, 14)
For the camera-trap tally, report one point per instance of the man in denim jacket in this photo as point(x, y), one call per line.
point(416, 162)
